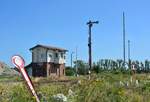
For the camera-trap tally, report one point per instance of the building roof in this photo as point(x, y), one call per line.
point(49, 47)
point(28, 66)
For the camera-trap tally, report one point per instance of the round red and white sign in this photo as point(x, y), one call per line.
point(18, 61)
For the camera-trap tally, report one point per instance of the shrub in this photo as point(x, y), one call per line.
point(69, 71)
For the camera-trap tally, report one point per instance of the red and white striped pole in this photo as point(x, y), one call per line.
point(19, 62)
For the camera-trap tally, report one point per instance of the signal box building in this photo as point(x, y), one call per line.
point(47, 61)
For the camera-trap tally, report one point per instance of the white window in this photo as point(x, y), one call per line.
point(62, 55)
point(50, 56)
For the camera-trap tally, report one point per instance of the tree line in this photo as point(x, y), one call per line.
point(81, 67)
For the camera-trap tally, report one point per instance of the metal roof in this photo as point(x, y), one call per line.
point(49, 47)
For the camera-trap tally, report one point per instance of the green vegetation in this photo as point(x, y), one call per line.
point(114, 66)
point(102, 87)
point(69, 71)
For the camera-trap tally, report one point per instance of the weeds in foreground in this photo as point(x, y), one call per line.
point(103, 87)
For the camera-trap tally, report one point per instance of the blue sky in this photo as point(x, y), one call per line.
point(62, 23)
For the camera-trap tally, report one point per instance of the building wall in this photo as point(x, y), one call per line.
point(62, 69)
point(55, 69)
point(39, 69)
point(47, 69)
point(50, 56)
point(60, 58)
point(39, 54)
point(47, 62)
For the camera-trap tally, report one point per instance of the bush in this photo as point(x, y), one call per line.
point(69, 71)
point(82, 67)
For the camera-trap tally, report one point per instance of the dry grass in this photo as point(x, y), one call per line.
point(104, 87)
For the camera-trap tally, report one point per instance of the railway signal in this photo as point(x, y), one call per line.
point(19, 62)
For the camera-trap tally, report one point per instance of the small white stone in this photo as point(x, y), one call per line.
point(60, 98)
point(89, 77)
point(70, 92)
point(127, 84)
point(79, 81)
point(121, 83)
point(137, 82)
point(131, 79)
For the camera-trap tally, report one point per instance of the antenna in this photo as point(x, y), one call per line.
point(124, 38)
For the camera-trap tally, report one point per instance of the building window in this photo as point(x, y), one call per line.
point(61, 55)
point(64, 57)
point(56, 55)
point(50, 55)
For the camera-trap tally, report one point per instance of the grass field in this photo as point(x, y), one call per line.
point(103, 87)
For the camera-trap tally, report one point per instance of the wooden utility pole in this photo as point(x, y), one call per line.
point(90, 24)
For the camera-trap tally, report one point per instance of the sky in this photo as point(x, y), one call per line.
point(62, 23)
